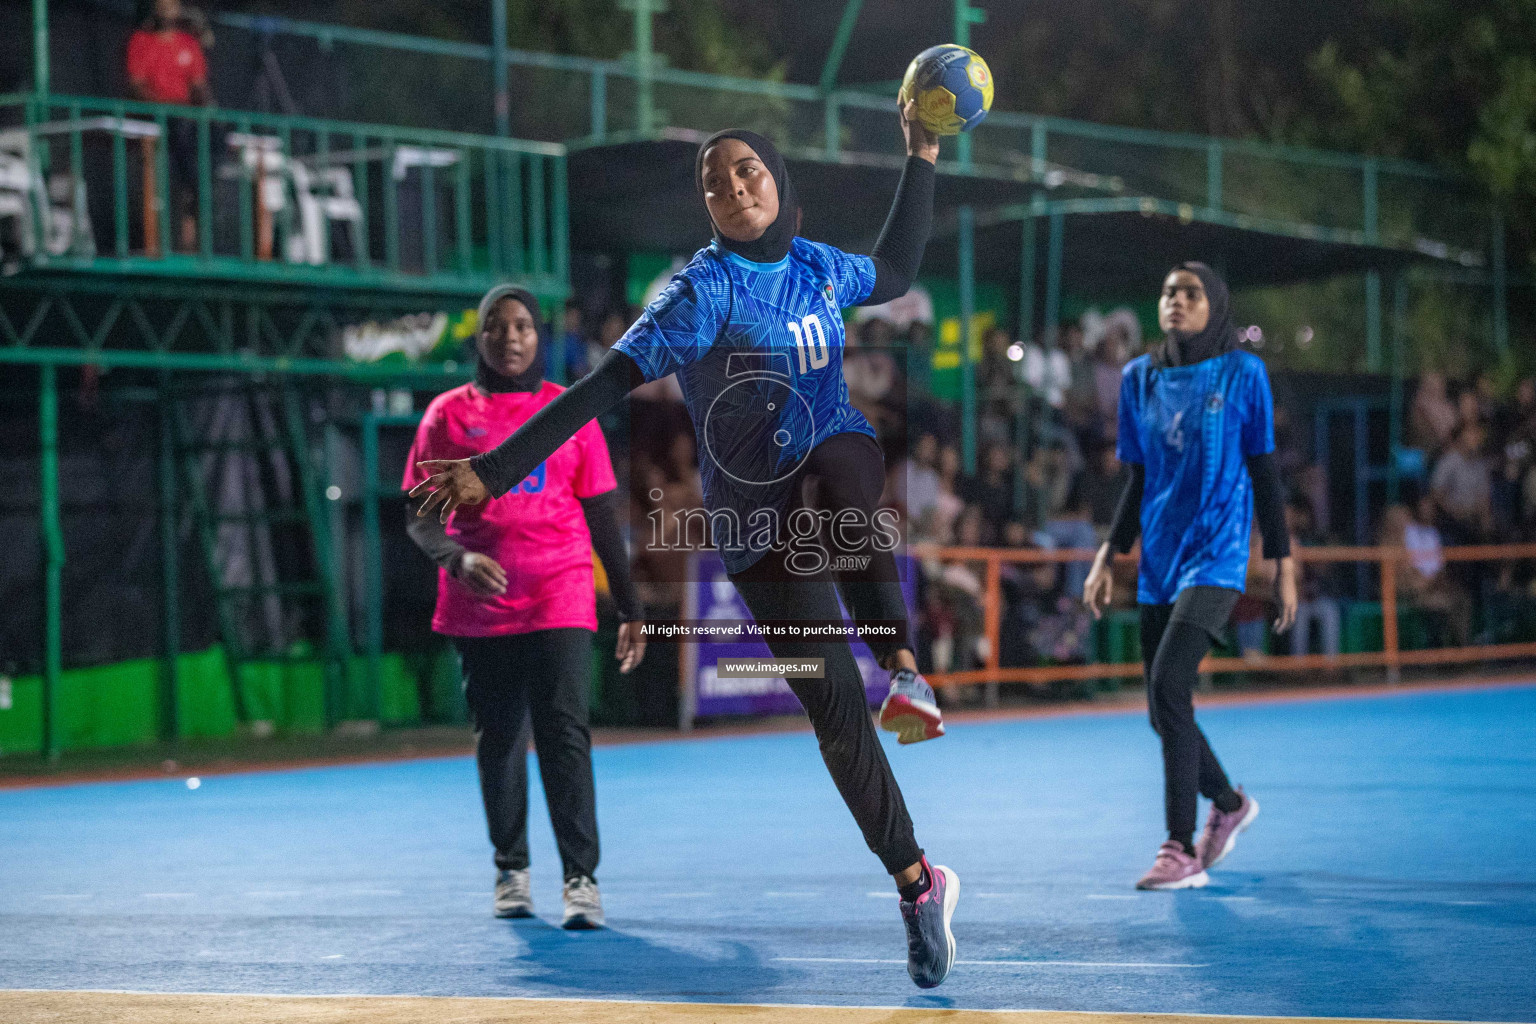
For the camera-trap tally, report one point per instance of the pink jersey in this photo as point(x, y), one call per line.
point(536, 531)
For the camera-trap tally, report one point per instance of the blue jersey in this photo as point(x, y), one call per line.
point(1192, 427)
point(758, 352)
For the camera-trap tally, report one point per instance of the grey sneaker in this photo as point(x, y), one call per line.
point(514, 898)
point(930, 943)
point(583, 905)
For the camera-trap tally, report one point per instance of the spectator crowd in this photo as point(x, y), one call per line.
point(1047, 478)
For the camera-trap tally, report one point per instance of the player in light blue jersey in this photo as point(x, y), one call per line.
point(1198, 434)
point(791, 472)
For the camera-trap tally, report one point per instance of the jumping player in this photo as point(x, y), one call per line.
point(1197, 431)
point(515, 594)
point(752, 328)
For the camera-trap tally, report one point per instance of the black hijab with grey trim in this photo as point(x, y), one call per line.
point(773, 244)
point(492, 380)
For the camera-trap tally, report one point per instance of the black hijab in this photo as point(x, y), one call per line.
point(492, 380)
point(774, 243)
point(1181, 348)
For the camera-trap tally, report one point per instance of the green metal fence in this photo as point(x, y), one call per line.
point(582, 100)
point(285, 200)
point(1290, 190)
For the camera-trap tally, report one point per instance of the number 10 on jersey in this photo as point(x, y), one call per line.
point(810, 342)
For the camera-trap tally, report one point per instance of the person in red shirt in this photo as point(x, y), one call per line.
point(166, 64)
point(516, 595)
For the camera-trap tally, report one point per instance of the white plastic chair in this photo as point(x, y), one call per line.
point(261, 157)
point(18, 190)
point(325, 196)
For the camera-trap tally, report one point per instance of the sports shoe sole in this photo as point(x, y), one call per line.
point(520, 911)
point(951, 899)
point(913, 721)
point(581, 923)
point(1195, 881)
point(1242, 826)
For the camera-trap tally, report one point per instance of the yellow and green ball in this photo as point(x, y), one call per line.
point(952, 86)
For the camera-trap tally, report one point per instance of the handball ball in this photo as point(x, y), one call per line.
point(952, 86)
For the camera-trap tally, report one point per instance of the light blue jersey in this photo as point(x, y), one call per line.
point(758, 352)
point(1192, 427)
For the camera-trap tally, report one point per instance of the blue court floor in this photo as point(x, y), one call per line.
point(1392, 873)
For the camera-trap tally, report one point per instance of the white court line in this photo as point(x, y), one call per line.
point(374, 892)
point(1468, 903)
point(333, 956)
point(884, 896)
point(168, 895)
point(1117, 965)
point(266, 893)
point(1235, 899)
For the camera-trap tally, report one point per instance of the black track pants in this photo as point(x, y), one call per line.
point(846, 474)
point(1174, 637)
point(836, 705)
point(542, 676)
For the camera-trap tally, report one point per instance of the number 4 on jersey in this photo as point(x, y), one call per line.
point(810, 342)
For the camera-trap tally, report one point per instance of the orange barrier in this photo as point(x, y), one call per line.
point(1391, 657)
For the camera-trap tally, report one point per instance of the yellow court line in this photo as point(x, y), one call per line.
point(73, 1007)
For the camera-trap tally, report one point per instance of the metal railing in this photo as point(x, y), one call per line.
point(583, 101)
point(278, 199)
point(1388, 562)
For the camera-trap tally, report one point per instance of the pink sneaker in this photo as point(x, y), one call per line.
point(1222, 829)
point(1174, 869)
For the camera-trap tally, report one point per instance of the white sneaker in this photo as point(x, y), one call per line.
point(514, 896)
point(583, 905)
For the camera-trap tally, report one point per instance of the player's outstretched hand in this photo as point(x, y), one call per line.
point(631, 649)
point(1099, 588)
point(451, 484)
point(920, 141)
point(482, 574)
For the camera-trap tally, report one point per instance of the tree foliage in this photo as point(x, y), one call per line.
point(1441, 80)
point(548, 104)
point(1450, 82)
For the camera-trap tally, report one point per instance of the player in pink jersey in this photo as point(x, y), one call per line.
point(516, 594)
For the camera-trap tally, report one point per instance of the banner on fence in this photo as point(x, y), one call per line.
point(707, 693)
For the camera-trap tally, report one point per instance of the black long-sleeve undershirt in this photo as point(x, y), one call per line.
point(1126, 526)
point(428, 534)
point(899, 249)
point(1268, 506)
point(601, 514)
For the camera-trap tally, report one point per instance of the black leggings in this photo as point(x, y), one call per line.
point(1174, 638)
point(541, 676)
point(847, 472)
